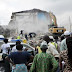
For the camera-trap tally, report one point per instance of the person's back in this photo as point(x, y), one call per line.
point(5, 51)
point(44, 62)
point(19, 57)
point(63, 45)
point(66, 56)
point(52, 50)
point(4, 48)
point(14, 48)
point(55, 44)
point(18, 37)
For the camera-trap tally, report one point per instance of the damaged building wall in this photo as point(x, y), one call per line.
point(30, 21)
point(1, 30)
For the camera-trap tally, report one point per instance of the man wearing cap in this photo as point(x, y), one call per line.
point(44, 62)
point(51, 48)
point(63, 43)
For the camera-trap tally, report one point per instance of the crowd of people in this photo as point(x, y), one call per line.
point(53, 54)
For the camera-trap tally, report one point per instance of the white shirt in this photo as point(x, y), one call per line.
point(15, 50)
point(4, 48)
point(63, 45)
point(52, 49)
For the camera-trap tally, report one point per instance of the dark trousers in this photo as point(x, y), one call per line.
point(6, 63)
point(58, 69)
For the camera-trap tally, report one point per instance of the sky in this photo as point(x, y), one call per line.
point(62, 9)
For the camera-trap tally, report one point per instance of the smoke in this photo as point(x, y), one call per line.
point(32, 22)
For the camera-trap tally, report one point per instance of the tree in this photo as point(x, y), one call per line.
point(7, 32)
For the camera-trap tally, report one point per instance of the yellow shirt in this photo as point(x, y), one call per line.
point(55, 44)
point(24, 41)
point(18, 37)
point(39, 50)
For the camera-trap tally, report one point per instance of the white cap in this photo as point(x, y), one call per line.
point(66, 33)
point(44, 45)
point(51, 37)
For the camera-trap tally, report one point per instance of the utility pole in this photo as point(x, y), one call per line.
point(70, 23)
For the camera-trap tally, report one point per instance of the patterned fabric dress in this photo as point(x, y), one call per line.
point(44, 62)
point(20, 68)
point(64, 57)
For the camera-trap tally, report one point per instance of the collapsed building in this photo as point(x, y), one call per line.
point(34, 20)
point(1, 30)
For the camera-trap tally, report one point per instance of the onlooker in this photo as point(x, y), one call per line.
point(63, 43)
point(61, 38)
point(66, 56)
point(44, 62)
point(56, 39)
point(14, 48)
point(51, 48)
point(26, 36)
point(18, 37)
point(38, 49)
point(19, 59)
point(5, 51)
point(57, 43)
point(24, 40)
point(53, 42)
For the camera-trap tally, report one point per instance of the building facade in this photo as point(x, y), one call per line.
point(34, 20)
